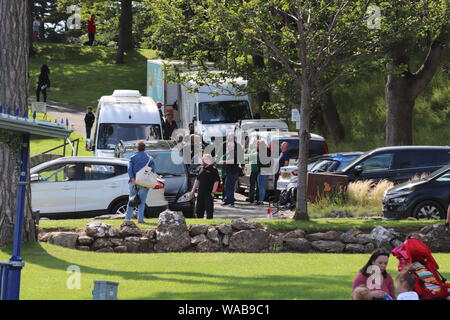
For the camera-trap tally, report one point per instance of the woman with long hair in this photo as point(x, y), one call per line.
point(374, 276)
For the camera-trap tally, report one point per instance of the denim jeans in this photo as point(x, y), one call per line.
point(141, 208)
point(229, 187)
point(262, 185)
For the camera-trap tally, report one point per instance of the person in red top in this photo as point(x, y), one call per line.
point(379, 283)
point(92, 29)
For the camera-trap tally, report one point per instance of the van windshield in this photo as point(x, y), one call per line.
point(223, 111)
point(109, 134)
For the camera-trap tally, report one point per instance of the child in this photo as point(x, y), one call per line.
point(361, 293)
point(405, 285)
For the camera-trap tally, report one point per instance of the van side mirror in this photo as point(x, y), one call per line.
point(89, 145)
point(35, 177)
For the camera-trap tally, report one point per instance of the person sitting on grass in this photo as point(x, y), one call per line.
point(380, 283)
point(405, 285)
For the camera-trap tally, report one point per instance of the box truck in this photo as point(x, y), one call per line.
point(214, 109)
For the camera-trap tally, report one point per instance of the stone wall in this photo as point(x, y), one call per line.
point(173, 235)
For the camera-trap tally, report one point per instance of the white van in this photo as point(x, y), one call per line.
point(125, 115)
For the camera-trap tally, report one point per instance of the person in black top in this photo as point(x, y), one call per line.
point(43, 82)
point(170, 125)
point(163, 123)
point(89, 120)
point(207, 182)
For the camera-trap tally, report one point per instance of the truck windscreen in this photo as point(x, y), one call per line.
point(223, 111)
point(109, 134)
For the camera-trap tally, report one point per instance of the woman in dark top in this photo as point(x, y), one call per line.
point(43, 82)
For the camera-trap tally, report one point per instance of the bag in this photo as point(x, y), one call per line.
point(134, 200)
point(146, 177)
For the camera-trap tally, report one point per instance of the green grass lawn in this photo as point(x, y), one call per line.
point(80, 75)
point(208, 276)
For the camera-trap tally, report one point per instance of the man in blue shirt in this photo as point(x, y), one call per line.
point(138, 161)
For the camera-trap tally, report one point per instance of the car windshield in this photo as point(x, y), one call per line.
point(223, 111)
point(111, 133)
point(350, 164)
point(167, 162)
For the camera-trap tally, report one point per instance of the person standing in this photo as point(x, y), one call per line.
point(138, 161)
point(92, 30)
point(89, 120)
point(252, 189)
point(263, 161)
point(207, 182)
point(36, 29)
point(43, 83)
point(283, 161)
point(231, 162)
point(170, 125)
point(163, 122)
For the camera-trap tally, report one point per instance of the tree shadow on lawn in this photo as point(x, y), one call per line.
point(216, 286)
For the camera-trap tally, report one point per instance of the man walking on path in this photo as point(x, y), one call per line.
point(138, 161)
point(92, 29)
point(207, 182)
point(89, 120)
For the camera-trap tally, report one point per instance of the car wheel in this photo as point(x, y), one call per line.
point(153, 212)
point(120, 207)
point(428, 210)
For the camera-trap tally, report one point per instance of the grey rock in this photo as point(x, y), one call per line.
point(101, 243)
point(225, 228)
point(296, 234)
point(83, 248)
point(129, 228)
point(172, 233)
point(244, 224)
point(250, 240)
point(328, 246)
point(396, 243)
point(297, 244)
point(196, 229)
point(213, 235)
point(99, 230)
point(364, 239)
point(85, 240)
point(315, 236)
point(64, 239)
point(116, 241)
point(146, 245)
point(205, 246)
point(355, 248)
point(350, 236)
point(150, 233)
point(120, 249)
point(198, 238)
point(370, 247)
point(132, 243)
point(226, 240)
point(105, 250)
point(45, 236)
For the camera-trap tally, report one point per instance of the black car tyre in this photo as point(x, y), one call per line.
point(120, 207)
point(427, 210)
point(153, 212)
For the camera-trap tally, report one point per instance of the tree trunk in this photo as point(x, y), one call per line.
point(14, 43)
point(261, 96)
point(331, 118)
point(125, 30)
point(30, 27)
point(400, 104)
point(301, 212)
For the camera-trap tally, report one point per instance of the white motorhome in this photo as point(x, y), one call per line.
point(125, 115)
point(215, 109)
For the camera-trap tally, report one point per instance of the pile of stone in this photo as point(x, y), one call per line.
point(173, 235)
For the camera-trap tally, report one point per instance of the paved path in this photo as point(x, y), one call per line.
point(64, 111)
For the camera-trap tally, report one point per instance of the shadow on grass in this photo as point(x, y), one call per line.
point(270, 286)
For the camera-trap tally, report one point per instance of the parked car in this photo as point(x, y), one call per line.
point(170, 165)
point(86, 187)
point(317, 146)
point(397, 164)
point(427, 198)
point(324, 163)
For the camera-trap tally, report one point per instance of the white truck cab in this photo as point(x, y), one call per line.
point(125, 115)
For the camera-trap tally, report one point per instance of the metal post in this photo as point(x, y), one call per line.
point(16, 263)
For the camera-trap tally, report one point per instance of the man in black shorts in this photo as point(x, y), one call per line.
point(207, 182)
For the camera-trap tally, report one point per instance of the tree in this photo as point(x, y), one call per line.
point(309, 45)
point(409, 27)
point(14, 45)
point(125, 30)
